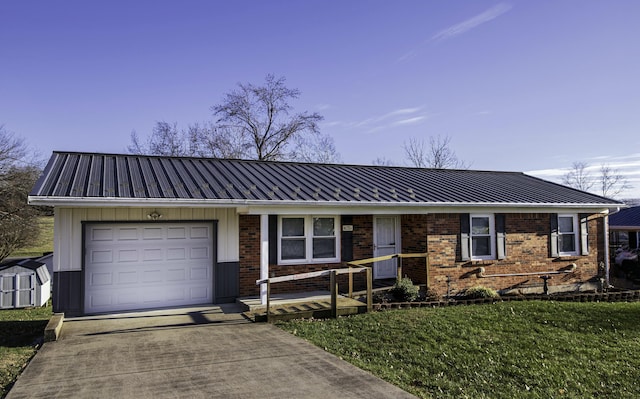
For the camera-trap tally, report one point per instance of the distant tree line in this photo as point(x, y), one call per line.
point(607, 181)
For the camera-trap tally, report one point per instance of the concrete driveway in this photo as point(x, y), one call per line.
point(209, 352)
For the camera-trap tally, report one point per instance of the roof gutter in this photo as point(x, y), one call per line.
point(173, 202)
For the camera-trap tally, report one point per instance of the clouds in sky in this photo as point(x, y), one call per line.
point(460, 28)
point(394, 118)
point(471, 23)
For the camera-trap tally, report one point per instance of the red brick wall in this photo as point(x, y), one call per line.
point(249, 254)
point(250, 261)
point(527, 245)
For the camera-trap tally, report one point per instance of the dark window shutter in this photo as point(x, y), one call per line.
point(633, 240)
point(553, 237)
point(465, 239)
point(501, 236)
point(273, 239)
point(346, 240)
point(584, 234)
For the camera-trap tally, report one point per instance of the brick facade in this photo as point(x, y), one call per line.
point(527, 248)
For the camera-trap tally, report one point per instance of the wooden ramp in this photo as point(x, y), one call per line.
point(316, 306)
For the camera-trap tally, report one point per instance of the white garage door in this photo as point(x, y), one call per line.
point(147, 265)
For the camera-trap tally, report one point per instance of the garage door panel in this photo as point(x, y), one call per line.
point(102, 234)
point(105, 256)
point(175, 275)
point(152, 276)
point(127, 255)
point(202, 232)
point(130, 277)
point(199, 293)
point(176, 254)
point(146, 267)
point(98, 279)
point(152, 233)
point(128, 234)
point(176, 233)
point(198, 273)
point(199, 253)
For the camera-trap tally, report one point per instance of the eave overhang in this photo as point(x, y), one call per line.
point(261, 206)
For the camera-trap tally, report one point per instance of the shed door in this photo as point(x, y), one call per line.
point(386, 242)
point(17, 290)
point(147, 265)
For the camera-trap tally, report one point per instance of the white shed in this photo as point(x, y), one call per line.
point(24, 283)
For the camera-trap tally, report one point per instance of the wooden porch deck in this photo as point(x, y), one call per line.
point(316, 304)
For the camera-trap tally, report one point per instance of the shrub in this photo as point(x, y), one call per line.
point(404, 290)
point(431, 296)
point(479, 291)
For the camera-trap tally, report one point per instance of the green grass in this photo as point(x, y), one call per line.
point(505, 350)
point(21, 330)
point(44, 244)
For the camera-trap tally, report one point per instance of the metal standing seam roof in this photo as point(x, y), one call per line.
point(90, 176)
point(629, 217)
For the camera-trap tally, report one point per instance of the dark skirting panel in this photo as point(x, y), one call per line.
point(68, 289)
point(227, 282)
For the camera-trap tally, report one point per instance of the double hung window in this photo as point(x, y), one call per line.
point(567, 235)
point(482, 237)
point(308, 239)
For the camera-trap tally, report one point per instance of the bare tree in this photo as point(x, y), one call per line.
point(611, 181)
point(608, 182)
point(382, 161)
point(254, 122)
point(317, 148)
point(13, 150)
point(264, 117)
point(165, 139)
point(207, 140)
point(434, 154)
point(18, 173)
point(18, 221)
point(579, 177)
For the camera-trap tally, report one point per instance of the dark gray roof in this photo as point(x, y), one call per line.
point(17, 266)
point(86, 176)
point(629, 217)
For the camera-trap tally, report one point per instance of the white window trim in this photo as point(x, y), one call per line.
point(492, 236)
point(576, 233)
point(308, 237)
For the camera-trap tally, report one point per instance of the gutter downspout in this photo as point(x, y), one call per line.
point(264, 256)
point(607, 256)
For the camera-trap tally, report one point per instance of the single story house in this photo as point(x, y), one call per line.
point(136, 232)
point(625, 226)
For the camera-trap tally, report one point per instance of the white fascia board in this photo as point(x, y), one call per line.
point(259, 207)
point(93, 202)
point(624, 228)
point(401, 210)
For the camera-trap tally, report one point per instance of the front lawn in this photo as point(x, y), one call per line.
point(20, 331)
point(537, 349)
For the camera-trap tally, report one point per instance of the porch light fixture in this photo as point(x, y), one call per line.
point(155, 215)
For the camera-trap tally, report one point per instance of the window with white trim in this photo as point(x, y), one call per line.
point(308, 239)
point(567, 235)
point(482, 237)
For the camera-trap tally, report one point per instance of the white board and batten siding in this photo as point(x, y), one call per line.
point(69, 224)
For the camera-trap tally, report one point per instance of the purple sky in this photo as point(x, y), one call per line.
point(517, 85)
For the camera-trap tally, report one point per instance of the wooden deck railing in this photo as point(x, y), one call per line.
point(364, 262)
point(333, 283)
